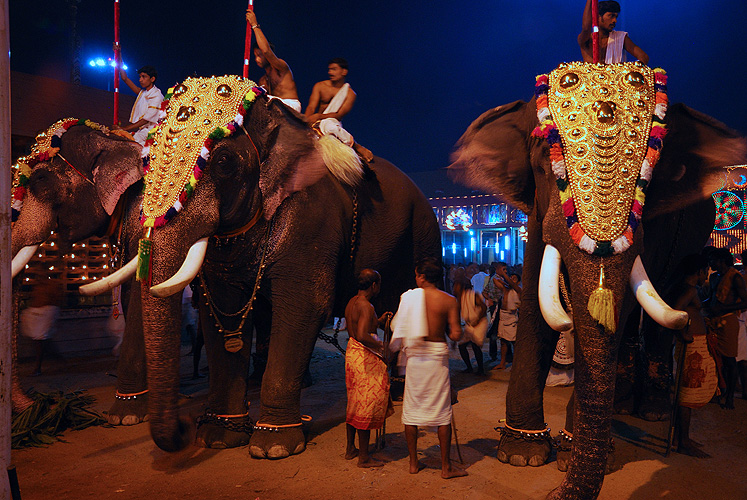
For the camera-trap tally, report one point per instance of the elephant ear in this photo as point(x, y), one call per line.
point(116, 173)
point(291, 160)
point(690, 169)
point(493, 154)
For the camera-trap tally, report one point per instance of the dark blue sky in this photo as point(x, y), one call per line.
point(423, 70)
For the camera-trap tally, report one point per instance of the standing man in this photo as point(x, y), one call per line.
point(366, 377)
point(611, 43)
point(420, 327)
point(728, 297)
point(331, 100)
point(278, 78)
point(147, 106)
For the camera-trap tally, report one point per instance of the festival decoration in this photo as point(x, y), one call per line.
point(46, 147)
point(729, 210)
point(603, 120)
point(458, 218)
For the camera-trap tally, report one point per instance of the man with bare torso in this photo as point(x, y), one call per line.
point(611, 43)
point(366, 377)
point(427, 400)
point(278, 78)
point(331, 100)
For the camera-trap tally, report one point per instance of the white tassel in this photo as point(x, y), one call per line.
point(341, 160)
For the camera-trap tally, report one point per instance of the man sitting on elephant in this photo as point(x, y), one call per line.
point(147, 106)
point(611, 43)
point(278, 77)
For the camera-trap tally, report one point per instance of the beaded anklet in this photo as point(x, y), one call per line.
point(541, 435)
point(126, 397)
point(276, 428)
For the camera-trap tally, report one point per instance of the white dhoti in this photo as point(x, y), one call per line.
point(616, 47)
point(147, 107)
point(507, 325)
point(333, 126)
point(427, 400)
point(38, 323)
point(293, 104)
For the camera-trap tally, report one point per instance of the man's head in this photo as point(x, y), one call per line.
point(430, 270)
point(461, 285)
point(337, 69)
point(608, 12)
point(368, 279)
point(721, 260)
point(148, 76)
point(260, 58)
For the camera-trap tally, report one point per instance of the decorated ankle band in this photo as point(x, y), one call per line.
point(126, 397)
point(276, 428)
point(534, 435)
point(236, 423)
point(564, 440)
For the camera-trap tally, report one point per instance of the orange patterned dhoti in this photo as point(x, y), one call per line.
point(367, 383)
point(699, 377)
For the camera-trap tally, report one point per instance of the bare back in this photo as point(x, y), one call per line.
point(441, 310)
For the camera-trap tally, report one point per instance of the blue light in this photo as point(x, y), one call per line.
point(471, 233)
point(92, 63)
point(465, 253)
point(496, 246)
point(100, 62)
point(507, 242)
point(124, 66)
point(443, 252)
point(453, 248)
point(472, 244)
point(501, 254)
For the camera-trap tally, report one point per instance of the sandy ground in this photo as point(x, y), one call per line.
point(123, 462)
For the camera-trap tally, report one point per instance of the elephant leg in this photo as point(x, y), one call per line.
point(226, 423)
point(534, 348)
point(564, 443)
point(130, 405)
point(263, 327)
point(279, 432)
point(656, 404)
point(20, 399)
point(596, 352)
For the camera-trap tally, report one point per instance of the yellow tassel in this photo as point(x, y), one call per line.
point(602, 305)
point(145, 257)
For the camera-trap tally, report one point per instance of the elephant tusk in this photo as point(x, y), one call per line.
point(185, 274)
point(110, 282)
point(22, 258)
point(651, 302)
point(549, 292)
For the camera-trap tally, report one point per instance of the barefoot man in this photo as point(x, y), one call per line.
point(335, 98)
point(278, 78)
point(419, 329)
point(366, 377)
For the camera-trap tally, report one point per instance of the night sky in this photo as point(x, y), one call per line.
point(423, 70)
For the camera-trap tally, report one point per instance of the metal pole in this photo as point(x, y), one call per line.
point(595, 30)
point(5, 257)
point(117, 62)
point(248, 42)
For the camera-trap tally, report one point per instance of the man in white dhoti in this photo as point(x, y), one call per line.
point(419, 329)
point(147, 106)
point(278, 78)
point(331, 100)
point(611, 43)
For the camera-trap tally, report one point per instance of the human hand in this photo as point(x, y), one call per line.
point(251, 17)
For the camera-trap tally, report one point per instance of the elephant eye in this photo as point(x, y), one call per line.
point(225, 161)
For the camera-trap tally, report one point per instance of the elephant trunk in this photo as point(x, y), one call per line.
point(162, 344)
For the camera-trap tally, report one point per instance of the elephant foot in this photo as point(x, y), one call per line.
point(129, 409)
point(624, 397)
point(656, 406)
point(564, 444)
point(522, 448)
point(223, 431)
point(271, 441)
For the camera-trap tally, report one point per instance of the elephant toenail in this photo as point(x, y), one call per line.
point(257, 452)
point(277, 451)
point(518, 460)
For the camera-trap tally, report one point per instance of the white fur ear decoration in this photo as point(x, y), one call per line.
point(341, 160)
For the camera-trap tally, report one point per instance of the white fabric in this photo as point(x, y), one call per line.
point(333, 126)
point(410, 323)
point(509, 316)
point(293, 104)
point(38, 323)
point(478, 281)
point(427, 399)
point(147, 107)
point(475, 324)
point(615, 47)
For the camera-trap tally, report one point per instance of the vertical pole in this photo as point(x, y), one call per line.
point(5, 257)
point(248, 43)
point(117, 62)
point(595, 30)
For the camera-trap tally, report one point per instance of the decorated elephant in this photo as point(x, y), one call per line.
point(276, 223)
point(82, 181)
point(578, 159)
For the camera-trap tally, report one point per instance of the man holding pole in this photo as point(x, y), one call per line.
point(147, 106)
point(366, 377)
point(278, 78)
point(611, 42)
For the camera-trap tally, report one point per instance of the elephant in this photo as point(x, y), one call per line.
point(276, 235)
point(83, 182)
point(518, 151)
